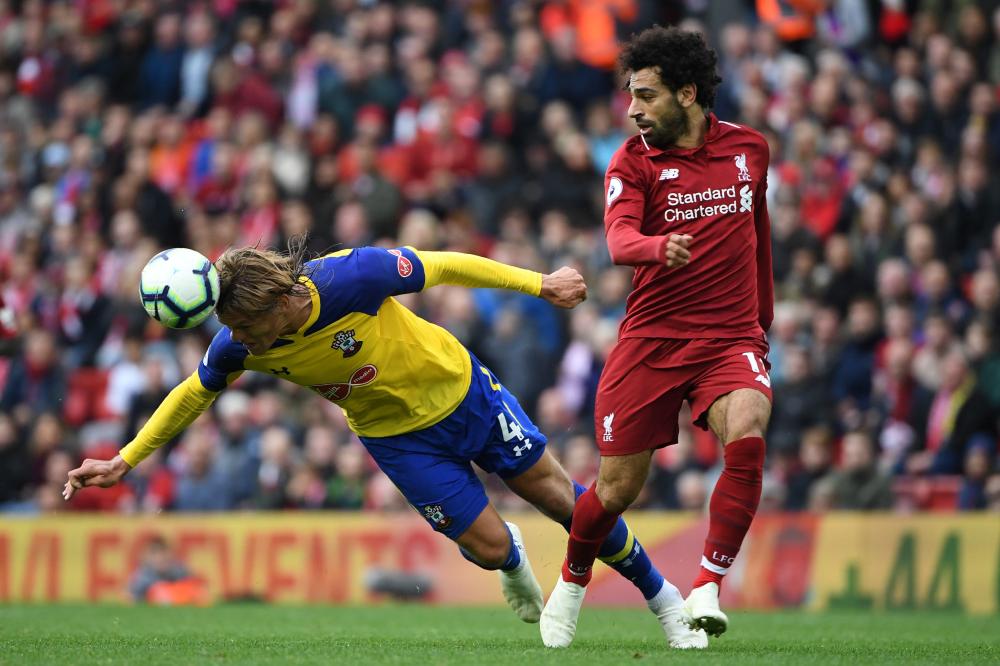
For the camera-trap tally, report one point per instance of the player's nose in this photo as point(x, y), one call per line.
point(634, 112)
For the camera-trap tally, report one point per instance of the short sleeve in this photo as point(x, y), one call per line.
point(388, 272)
point(223, 358)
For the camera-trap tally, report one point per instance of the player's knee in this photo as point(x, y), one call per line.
point(746, 426)
point(744, 430)
point(490, 554)
point(747, 417)
point(562, 501)
point(555, 497)
point(617, 496)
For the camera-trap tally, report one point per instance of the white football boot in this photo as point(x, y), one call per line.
point(668, 607)
point(558, 623)
point(703, 606)
point(520, 587)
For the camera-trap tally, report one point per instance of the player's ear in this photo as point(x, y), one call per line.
point(687, 94)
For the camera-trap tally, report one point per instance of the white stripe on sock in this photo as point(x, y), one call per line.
point(714, 568)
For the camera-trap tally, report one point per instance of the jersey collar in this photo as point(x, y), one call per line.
point(711, 133)
point(314, 297)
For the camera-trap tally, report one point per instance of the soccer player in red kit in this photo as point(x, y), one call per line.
point(686, 207)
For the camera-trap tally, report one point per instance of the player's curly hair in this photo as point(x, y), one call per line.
point(251, 280)
point(682, 56)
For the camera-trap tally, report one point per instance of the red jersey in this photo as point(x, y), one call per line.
point(716, 194)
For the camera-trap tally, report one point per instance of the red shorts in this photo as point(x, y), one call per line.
point(646, 379)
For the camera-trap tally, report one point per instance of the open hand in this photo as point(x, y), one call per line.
point(676, 250)
point(103, 473)
point(565, 288)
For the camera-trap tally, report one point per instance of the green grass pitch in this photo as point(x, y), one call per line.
point(401, 634)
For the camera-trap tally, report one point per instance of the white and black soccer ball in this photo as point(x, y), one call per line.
point(179, 288)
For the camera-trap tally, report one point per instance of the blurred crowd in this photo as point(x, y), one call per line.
point(127, 126)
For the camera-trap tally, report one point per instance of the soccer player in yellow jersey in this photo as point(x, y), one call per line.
point(422, 404)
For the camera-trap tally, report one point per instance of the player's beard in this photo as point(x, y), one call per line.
point(670, 127)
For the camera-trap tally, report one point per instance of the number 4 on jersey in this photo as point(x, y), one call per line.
point(512, 430)
point(760, 369)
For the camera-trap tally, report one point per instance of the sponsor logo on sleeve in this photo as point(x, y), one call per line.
point(614, 189)
point(403, 265)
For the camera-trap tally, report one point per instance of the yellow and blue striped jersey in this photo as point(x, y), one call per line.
point(391, 371)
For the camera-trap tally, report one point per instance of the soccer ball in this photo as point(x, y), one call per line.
point(179, 288)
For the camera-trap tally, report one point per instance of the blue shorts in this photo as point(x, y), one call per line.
point(432, 467)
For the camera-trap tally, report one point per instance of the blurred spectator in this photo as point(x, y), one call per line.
point(35, 380)
point(15, 472)
point(163, 579)
point(947, 419)
point(347, 489)
point(992, 493)
point(800, 402)
point(201, 485)
point(978, 461)
point(669, 466)
point(852, 375)
point(276, 465)
point(816, 456)
point(858, 485)
point(152, 485)
point(239, 447)
point(692, 492)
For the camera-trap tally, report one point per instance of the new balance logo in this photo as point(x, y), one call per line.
point(608, 423)
point(669, 174)
point(746, 199)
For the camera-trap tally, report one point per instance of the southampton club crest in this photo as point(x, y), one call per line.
point(434, 514)
point(345, 342)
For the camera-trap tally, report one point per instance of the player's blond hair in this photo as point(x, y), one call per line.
point(251, 280)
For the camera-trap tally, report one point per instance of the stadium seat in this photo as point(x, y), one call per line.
point(927, 493)
point(85, 396)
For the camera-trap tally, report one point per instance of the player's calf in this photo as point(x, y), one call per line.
point(732, 508)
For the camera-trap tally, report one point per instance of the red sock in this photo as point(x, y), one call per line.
point(732, 507)
point(591, 526)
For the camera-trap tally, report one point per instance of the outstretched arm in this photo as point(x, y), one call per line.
point(565, 287)
point(177, 411)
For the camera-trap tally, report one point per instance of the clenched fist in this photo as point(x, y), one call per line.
point(676, 250)
point(564, 288)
